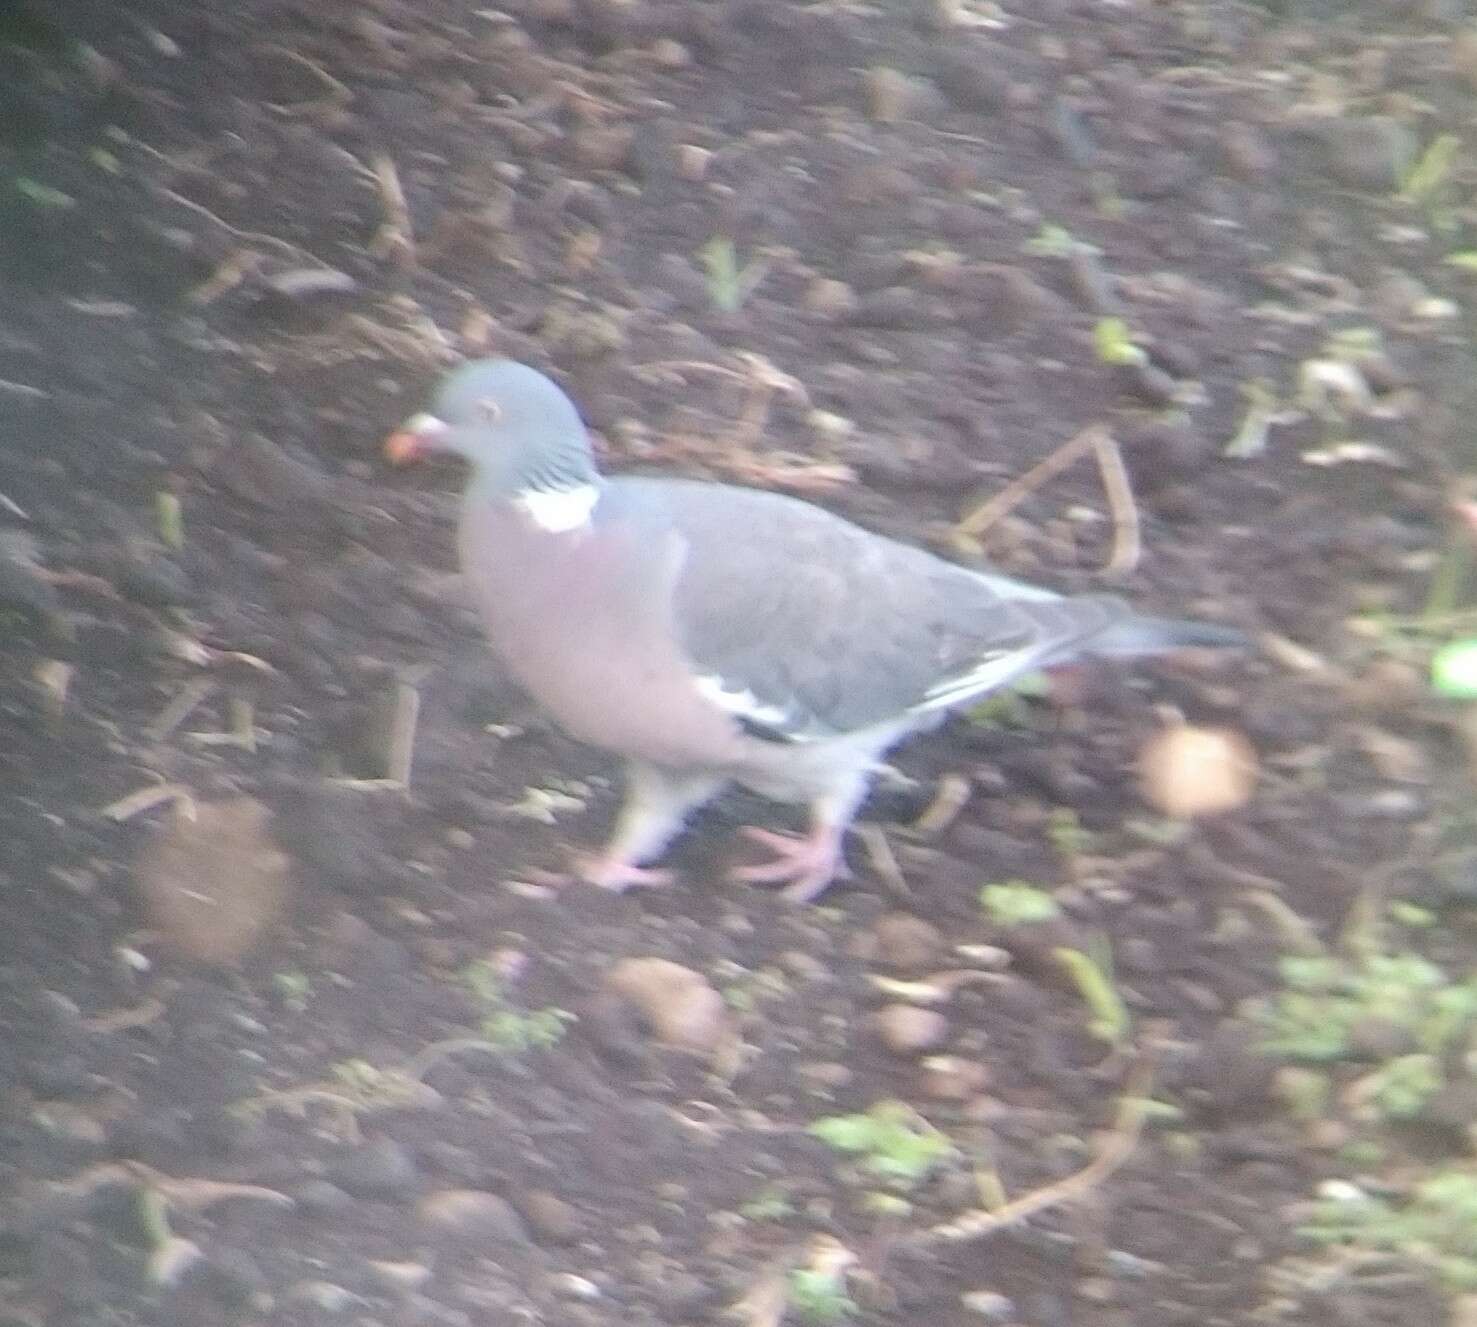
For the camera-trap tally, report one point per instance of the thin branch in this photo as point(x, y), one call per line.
point(1117, 1147)
point(1127, 542)
point(974, 523)
point(394, 238)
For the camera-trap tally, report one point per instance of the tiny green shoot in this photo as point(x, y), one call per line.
point(293, 989)
point(1454, 670)
point(42, 195)
point(1009, 706)
point(1262, 407)
point(1054, 241)
point(769, 1204)
point(1434, 1227)
point(507, 1028)
point(894, 1143)
point(1400, 1088)
point(1114, 343)
point(729, 283)
point(1017, 903)
point(1108, 1019)
point(1067, 834)
point(1429, 173)
point(819, 1296)
point(169, 517)
point(1326, 997)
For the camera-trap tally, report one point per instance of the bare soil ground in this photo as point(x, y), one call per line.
point(862, 252)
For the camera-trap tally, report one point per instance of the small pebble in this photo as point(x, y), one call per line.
point(669, 54)
point(400, 1277)
point(1372, 152)
point(171, 1260)
point(323, 1295)
point(954, 1077)
point(906, 1029)
point(889, 94)
point(990, 1305)
point(549, 1217)
point(907, 943)
point(829, 298)
point(692, 161)
point(321, 1198)
point(378, 1169)
point(567, 1285)
point(682, 1008)
point(473, 1212)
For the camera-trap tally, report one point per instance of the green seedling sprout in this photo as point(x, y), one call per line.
point(729, 284)
point(1009, 706)
point(1429, 173)
point(1326, 997)
point(1109, 1020)
point(1067, 835)
point(769, 1204)
point(1262, 408)
point(1434, 1228)
point(894, 1143)
point(293, 989)
point(42, 195)
point(819, 1296)
point(170, 519)
point(1053, 241)
point(1016, 903)
point(506, 1029)
point(1454, 670)
point(1114, 343)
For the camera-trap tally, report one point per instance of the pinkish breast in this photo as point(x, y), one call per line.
point(583, 620)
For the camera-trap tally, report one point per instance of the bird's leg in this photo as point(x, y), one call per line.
point(806, 864)
point(656, 805)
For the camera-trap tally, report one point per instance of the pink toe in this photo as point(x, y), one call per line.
point(805, 866)
point(619, 876)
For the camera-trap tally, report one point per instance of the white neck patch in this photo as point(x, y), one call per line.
point(558, 510)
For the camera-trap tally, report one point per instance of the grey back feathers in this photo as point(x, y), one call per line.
point(832, 629)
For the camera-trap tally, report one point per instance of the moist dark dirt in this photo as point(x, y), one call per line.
point(860, 252)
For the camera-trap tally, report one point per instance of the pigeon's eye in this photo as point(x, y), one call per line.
point(490, 410)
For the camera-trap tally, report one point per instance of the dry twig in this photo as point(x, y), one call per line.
point(1116, 1148)
point(1094, 440)
point(145, 799)
point(883, 860)
point(179, 709)
point(395, 238)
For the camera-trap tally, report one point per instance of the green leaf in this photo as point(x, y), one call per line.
point(42, 195)
point(1454, 670)
point(1115, 344)
point(1431, 171)
point(1016, 903)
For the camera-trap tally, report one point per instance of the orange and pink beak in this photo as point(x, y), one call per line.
point(417, 437)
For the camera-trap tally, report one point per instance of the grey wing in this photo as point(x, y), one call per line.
point(804, 626)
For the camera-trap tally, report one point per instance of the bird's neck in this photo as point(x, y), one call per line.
point(556, 498)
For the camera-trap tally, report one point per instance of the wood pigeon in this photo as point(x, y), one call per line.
point(710, 634)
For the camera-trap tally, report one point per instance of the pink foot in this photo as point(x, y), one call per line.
point(605, 873)
point(806, 865)
point(617, 875)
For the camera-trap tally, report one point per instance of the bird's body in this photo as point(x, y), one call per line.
point(710, 634)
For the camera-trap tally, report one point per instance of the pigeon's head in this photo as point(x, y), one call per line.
point(517, 427)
